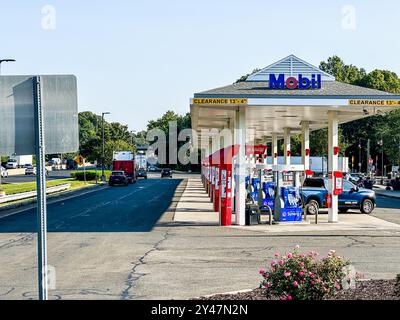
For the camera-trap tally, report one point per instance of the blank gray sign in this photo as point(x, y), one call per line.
point(60, 108)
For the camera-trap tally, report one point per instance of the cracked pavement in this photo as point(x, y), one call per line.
point(128, 248)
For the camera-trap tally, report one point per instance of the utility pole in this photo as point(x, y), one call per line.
point(380, 142)
point(103, 177)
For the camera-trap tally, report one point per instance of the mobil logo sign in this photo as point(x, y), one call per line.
point(281, 82)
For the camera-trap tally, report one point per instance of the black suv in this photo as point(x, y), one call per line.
point(166, 173)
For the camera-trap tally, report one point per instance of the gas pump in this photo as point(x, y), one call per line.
point(226, 195)
point(207, 179)
point(287, 204)
point(217, 187)
point(266, 191)
point(212, 193)
point(253, 183)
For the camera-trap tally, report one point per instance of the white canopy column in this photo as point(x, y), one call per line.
point(305, 145)
point(240, 167)
point(333, 141)
point(287, 146)
point(274, 149)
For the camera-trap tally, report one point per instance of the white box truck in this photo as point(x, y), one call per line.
point(15, 162)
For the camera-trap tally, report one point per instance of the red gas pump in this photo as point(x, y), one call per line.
point(212, 183)
point(217, 187)
point(337, 183)
point(226, 195)
point(226, 184)
point(209, 176)
point(206, 177)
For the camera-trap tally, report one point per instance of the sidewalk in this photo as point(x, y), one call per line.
point(195, 208)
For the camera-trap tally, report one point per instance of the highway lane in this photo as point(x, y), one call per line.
point(135, 207)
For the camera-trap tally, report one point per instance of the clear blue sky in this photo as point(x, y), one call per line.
point(138, 59)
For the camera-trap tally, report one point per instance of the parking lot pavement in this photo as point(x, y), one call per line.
point(387, 209)
point(121, 243)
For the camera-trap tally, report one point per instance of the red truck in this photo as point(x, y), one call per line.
point(125, 161)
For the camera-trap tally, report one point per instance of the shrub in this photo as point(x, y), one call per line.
point(90, 175)
point(301, 276)
point(397, 286)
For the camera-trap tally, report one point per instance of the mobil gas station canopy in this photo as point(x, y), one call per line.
point(283, 95)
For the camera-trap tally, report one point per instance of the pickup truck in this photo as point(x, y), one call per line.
point(315, 190)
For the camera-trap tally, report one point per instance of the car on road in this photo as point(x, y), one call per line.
point(141, 173)
point(12, 164)
point(118, 177)
point(314, 194)
point(166, 173)
point(29, 170)
point(3, 172)
point(152, 169)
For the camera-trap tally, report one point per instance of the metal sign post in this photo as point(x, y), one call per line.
point(28, 104)
point(41, 192)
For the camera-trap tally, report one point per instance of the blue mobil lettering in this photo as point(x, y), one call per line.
point(302, 83)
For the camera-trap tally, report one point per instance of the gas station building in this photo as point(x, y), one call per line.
point(288, 97)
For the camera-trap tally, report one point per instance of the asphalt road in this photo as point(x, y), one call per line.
point(387, 209)
point(109, 245)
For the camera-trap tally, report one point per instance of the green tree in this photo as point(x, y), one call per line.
point(374, 128)
point(115, 145)
point(90, 136)
point(244, 78)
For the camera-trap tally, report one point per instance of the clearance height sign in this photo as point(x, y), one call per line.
point(375, 103)
point(219, 101)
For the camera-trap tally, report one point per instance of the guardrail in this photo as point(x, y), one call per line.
point(32, 194)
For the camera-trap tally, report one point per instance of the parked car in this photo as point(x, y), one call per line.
point(141, 173)
point(166, 173)
point(12, 164)
point(118, 177)
point(315, 190)
point(29, 169)
point(3, 172)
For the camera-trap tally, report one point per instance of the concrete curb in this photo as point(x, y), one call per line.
point(55, 197)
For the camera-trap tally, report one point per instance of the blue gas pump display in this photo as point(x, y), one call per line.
point(291, 210)
point(255, 182)
point(269, 194)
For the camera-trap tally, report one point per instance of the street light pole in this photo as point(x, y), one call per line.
point(5, 60)
point(382, 168)
point(103, 177)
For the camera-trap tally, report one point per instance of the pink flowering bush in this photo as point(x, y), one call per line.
point(302, 276)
